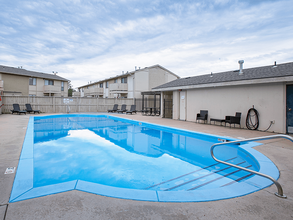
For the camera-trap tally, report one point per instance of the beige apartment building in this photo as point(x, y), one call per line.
point(129, 84)
point(21, 82)
point(269, 89)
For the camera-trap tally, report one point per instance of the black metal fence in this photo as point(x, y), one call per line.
point(148, 103)
point(168, 108)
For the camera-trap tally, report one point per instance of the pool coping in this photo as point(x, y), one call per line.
point(23, 183)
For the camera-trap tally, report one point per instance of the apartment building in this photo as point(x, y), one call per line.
point(129, 84)
point(21, 82)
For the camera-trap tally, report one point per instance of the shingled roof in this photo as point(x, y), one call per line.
point(24, 72)
point(266, 72)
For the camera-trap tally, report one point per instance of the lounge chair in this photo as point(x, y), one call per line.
point(132, 110)
point(233, 119)
point(123, 109)
point(29, 109)
point(16, 109)
point(115, 108)
point(203, 115)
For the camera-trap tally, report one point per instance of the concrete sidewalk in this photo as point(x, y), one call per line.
point(81, 205)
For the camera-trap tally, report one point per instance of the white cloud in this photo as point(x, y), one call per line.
point(91, 40)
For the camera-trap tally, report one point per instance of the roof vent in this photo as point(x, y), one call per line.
point(275, 64)
point(211, 74)
point(241, 67)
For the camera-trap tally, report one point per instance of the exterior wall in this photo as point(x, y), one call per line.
point(268, 99)
point(141, 83)
point(38, 89)
point(110, 95)
point(65, 92)
point(176, 105)
point(130, 81)
point(158, 76)
point(14, 83)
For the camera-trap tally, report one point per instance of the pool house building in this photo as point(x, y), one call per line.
point(269, 89)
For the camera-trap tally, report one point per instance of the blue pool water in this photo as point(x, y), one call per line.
point(123, 158)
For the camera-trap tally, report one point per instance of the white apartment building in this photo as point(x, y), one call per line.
point(129, 84)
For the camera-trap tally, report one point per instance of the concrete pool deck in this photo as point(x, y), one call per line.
point(81, 205)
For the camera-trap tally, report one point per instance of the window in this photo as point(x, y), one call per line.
point(115, 80)
point(49, 82)
point(124, 80)
point(101, 85)
point(32, 81)
point(62, 86)
point(107, 84)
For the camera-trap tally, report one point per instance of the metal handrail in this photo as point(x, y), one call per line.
point(280, 190)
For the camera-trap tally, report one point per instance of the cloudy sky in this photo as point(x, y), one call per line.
point(89, 40)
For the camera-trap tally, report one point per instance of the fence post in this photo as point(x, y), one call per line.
point(54, 104)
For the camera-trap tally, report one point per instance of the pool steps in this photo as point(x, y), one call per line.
point(206, 177)
point(278, 185)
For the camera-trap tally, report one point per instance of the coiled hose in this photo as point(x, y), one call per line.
point(252, 120)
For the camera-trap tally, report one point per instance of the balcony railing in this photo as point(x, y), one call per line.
point(76, 94)
point(119, 87)
point(51, 89)
point(93, 91)
point(1, 85)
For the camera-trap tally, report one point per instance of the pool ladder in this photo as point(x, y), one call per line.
point(280, 190)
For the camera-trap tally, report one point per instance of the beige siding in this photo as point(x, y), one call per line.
point(141, 82)
point(65, 92)
point(176, 104)
point(268, 99)
point(14, 83)
point(38, 89)
point(158, 76)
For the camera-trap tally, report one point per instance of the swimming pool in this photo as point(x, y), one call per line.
point(123, 158)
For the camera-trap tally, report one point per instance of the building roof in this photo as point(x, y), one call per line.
point(223, 78)
point(128, 74)
point(24, 72)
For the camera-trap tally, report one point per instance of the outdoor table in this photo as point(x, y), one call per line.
point(218, 120)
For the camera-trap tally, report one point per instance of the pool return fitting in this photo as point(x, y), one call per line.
point(279, 187)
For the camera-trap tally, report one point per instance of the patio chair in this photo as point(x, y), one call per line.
point(157, 111)
point(145, 111)
point(132, 110)
point(123, 109)
point(203, 115)
point(233, 119)
point(16, 109)
point(115, 108)
point(29, 109)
